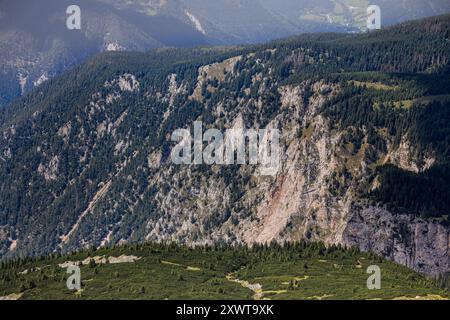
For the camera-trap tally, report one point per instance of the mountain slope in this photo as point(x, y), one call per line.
point(85, 158)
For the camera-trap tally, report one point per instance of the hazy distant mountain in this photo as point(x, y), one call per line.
point(35, 44)
point(250, 21)
point(234, 21)
point(352, 13)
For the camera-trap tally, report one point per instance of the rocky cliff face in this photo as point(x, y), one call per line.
point(300, 202)
point(414, 242)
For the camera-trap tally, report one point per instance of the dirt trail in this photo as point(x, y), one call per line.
point(427, 297)
point(255, 287)
point(12, 296)
point(189, 268)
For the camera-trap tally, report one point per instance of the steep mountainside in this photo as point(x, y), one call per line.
point(364, 132)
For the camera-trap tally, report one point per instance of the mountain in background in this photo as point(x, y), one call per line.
point(364, 132)
point(35, 44)
point(352, 13)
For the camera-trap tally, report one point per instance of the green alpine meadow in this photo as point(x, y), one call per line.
point(224, 150)
point(308, 271)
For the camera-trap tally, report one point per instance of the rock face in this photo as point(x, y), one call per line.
point(299, 202)
point(416, 243)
